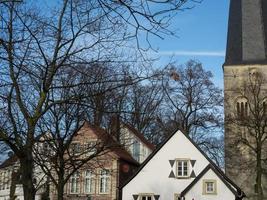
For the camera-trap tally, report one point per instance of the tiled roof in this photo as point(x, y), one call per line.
point(8, 162)
point(247, 32)
point(114, 145)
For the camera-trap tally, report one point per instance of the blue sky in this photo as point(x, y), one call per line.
point(202, 34)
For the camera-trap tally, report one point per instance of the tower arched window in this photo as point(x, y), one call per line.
point(264, 106)
point(242, 107)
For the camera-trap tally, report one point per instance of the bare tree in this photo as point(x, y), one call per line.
point(143, 102)
point(194, 105)
point(37, 41)
point(249, 123)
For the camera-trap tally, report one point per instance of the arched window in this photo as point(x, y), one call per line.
point(242, 107)
point(264, 106)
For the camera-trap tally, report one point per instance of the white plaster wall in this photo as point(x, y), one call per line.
point(223, 193)
point(154, 177)
point(127, 138)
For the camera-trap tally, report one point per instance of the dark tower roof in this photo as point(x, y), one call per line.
point(247, 32)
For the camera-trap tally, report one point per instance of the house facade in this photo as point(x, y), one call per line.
point(178, 169)
point(99, 179)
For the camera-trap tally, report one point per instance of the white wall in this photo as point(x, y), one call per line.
point(223, 193)
point(127, 138)
point(154, 177)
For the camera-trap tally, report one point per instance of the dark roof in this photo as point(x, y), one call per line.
point(209, 160)
point(8, 162)
point(115, 147)
point(247, 32)
point(211, 167)
point(140, 136)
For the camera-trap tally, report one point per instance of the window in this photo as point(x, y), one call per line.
point(5, 180)
point(264, 107)
point(75, 183)
point(1, 180)
point(209, 187)
point(8, 179)
point(88, 182)
point(136, 150)
point(146, 197)
point(92, 147)
point(176, 196)
point(182, 168)
point(76, 148)
point(242, 108)
point(104, 181)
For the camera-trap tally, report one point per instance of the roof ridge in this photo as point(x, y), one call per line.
point(198, 148)
point(202, 173)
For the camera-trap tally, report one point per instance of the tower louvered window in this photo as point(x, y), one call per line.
point(242, 108)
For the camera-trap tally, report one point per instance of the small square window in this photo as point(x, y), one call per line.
point(176, 196)
point(209, 187)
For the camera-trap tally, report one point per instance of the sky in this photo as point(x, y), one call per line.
point(201, 35)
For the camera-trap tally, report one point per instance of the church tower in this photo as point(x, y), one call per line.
point(246, 53)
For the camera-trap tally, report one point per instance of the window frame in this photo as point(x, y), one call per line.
point(76, 148)
point(146, 195)
point(136, 148)
point(187, 160)
point(75, 176)
point(91, 181)
point(176, 196)
point(105, 177)
point(205, 187)
point(91, 147)
point(242, 107)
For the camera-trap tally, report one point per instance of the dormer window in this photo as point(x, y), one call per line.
point(136, 150)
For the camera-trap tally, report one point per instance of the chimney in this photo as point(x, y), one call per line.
point(115, 126)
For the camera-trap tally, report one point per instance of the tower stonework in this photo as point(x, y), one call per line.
point(246, 53)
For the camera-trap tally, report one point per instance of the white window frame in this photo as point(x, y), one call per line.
point(145, 195)
point(136, 149)
point(88, 178)
point(176, 196)
point(75, 179)
point(104, 181)
point(205, 187)
point(183, 161)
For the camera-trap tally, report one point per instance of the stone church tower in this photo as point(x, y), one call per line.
point(246, 54)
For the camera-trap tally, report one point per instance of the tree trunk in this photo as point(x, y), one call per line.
point(259, 175)
point(61, 176)
point(26, 163)
point(60, 190)
point(14, 181)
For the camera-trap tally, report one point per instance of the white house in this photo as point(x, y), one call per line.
point(178, 170)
